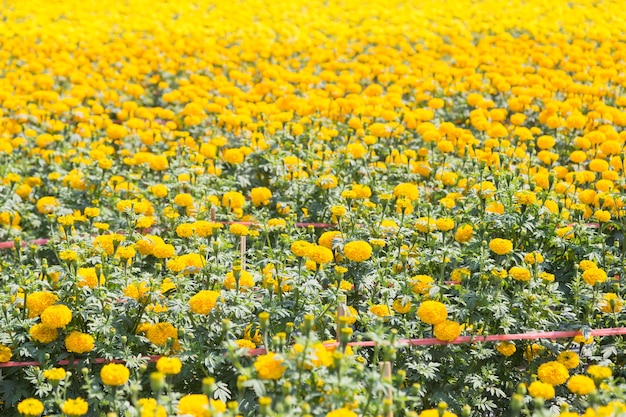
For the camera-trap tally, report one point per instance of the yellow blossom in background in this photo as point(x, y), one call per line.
point(270, 366)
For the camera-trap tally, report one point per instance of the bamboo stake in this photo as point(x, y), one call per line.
point(385, 370)
point(242, 250)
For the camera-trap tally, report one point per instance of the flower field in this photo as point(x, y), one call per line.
point(313, 208)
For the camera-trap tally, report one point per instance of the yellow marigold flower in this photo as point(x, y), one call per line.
point(43, 334)
point(163, 250)
point(432, 312)
point(599, 372)
point(150, 408)
point(610, 303)
point(114, 374)
point(506, 348)
point(183, 200)
point(594, 275)
point(341, 412)
point(158, 163)
point(501, 246)
point(5, 353)
point(30, 407)
point(137, 291)
point(300, 247)
point(581, 385)
point(421, 284)
point(184, 230)
point(260, 196)
point(125, 252)
point(538, 389)
point(525, 197)
point(204, 301)
point(54, 374)
point(533, 258)
point(381, 310)
point(401, 306)
point(319, 254)
point(602, 216)
point(239, 229)
point(199, 405)
point(425, 224)
point(328, 181)
point(275, 223)
point(246, 280)
point(159, 333)
point(245, 343)
point(357, 251)
point(169, 366)
point(545, 142)
point(78, 342)
point(447, 330)
point(233, 156)
point(37, 302)
point(553, 373)
point(46, 205)
point(89, 278)
point(406, 190)
point(569, 359)
point(56, 316)
point(519, 274)
point(75, 407)
point(444, 224)
point(270, 366)
point(327, 238)
point(464, 233)
point(586, 264)
point(546, 276)
point(68, 255)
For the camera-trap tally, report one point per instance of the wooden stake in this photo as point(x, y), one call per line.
point(385, 370)
point(213, 213)
point(242, 250)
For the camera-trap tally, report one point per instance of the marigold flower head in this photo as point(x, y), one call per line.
point(447, 330)
point(581, 385)
point(54, 374)
point(380, 310)
point(204, 301)
point(238, 229)
point(56, 316)
point(260, 196)
point(401, 306)
point(169, 366)
point(406, 190)
point(75, 407)
point(357, 251)
point(30, 407)
point(159, 333)
point(199, 405)
point(37, 302)
point(319, 254)
point(553, 373)
point(269, 366)
point(538, 389)
point(300, 247)
point(519, 273)
point(599, 372)
point(432, 312)
point(594, 275)
point(568, 358)
point(246, 280)
point(341, 412)
point(114, 374)
point(506, 348)
point(43, 334)
point(78, 342)
point(5, 353)
point(501, 246)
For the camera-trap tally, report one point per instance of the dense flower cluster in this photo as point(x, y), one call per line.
point(214, 177)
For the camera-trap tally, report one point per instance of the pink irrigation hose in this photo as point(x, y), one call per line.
point(399, 343)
